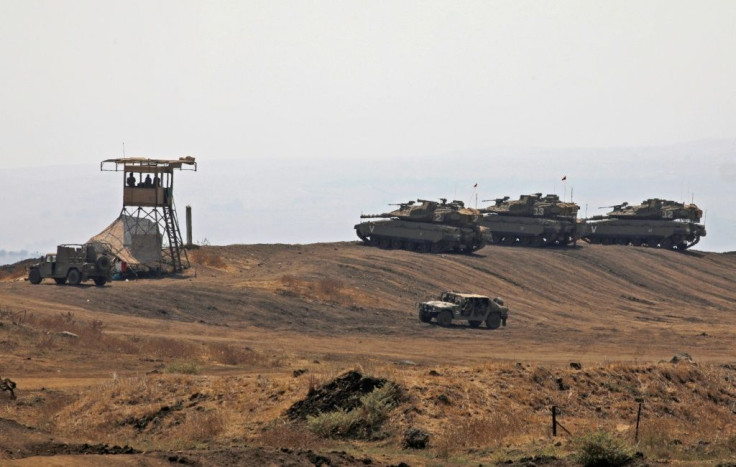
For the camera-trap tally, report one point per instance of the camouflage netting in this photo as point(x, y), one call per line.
point(137, 241)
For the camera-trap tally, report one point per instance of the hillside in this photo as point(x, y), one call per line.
point(250, 315)
point(592, 301)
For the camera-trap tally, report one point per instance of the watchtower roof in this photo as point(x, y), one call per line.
point(162, 165)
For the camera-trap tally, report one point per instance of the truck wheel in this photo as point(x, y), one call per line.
point(444, 318)
point(74, 277)
point(474, 323)
point(34, 276)
point(424, 316)
point(100, 281)
point(493, 321)
point(60, 280)
point(103, 263)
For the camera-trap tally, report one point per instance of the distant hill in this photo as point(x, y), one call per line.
point(260, 200)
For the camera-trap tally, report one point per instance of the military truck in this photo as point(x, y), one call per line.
point(73, 264)
point(475, 309)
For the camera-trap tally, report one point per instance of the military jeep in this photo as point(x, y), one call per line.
point(74, 264)
point(475, 309)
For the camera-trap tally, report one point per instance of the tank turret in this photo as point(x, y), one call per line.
point(655, 208)
point(534, 205)
point(452, 213)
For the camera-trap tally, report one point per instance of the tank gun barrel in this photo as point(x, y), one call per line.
point(496, 200)
point(385, 215)
point(615, 207)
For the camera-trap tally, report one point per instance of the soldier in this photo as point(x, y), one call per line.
point(148, 182)
point(131, 180)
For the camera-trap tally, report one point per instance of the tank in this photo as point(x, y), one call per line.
point(425, 226)
point(655, 222)
point(532, 220)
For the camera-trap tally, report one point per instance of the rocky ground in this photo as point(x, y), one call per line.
point(203, 368)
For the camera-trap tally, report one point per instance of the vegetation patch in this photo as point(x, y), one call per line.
point(351, 406)
point(601, 449)
point(187, 367)
point(205, 256)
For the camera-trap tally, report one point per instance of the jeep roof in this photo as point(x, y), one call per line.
point(465, 295)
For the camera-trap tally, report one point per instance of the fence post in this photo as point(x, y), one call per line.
point(554, 420)
point(638, 418)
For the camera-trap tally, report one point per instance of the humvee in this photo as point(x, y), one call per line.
point(472, 308)
point(74, 264)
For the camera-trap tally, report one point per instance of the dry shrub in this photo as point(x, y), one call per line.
point(207, 257)
point(658, 438)
point(285, 434)
point(46, 329)
point(482, 431)
point(184, 367)
point(199, 426)
point(230, 354)
point(112, 409)
point(12, 272)
point(329, 287)
point(161, 347)
point(326, 289)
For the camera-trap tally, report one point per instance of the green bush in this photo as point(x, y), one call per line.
point(335, 424)
point(360, 422)
point(601, 449)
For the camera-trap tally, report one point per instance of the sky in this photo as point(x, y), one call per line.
point(278, 85)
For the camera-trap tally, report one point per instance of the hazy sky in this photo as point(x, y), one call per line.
point(358, 79)
point(629, 99)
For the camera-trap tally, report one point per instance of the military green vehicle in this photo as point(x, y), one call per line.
point(74, 264)
point(532, 220)
point(656, 223)
point(475, 309)
point(425, 226)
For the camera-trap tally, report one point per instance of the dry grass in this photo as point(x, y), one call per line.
point(240, 355)
point(324, 289)
point(13, 272)
point(482, 414)
point(205, 256)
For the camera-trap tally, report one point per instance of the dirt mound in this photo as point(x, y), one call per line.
point(51, 449)
point(342, 393)
point(266, 456)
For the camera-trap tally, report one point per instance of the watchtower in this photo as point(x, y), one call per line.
point(149, 212)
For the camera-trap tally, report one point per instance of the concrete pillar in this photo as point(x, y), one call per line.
point(189, 226)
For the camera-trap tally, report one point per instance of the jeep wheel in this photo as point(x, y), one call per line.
point(100, 281)
point(493, 321)
point(34, 276)
point(103, 263)
point(424, 316)
point(444, 318)
point(74, 277)
point(474, 324)
point(60, 280)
